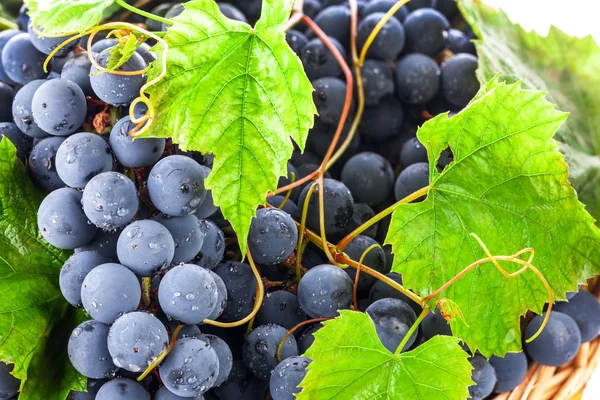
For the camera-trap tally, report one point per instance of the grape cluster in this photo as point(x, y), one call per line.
point(154, 259)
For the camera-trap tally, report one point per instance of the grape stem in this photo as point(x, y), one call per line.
point(375, 219)
point(299, 249)
point(146, 283)
point(494, 260)
point(143, 13)
point(412, 330)
point(358, 269)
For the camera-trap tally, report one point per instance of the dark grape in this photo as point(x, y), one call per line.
point(103, 44)
point(74, 272)
point(447, 7)
point(459, 82)
point(137, 153)
point(413, 152)
point(241, 385)
point(319, 61)
point(59, 107)
point(280, 307)
point(88, 350)
point(417, 79)
point(104, 243)
point(145, 247)
point(114, 89)
point(213, 246)
point(5, 36)
point(416, 4)
point(388, 43)
point(484, 376)
point(223, 354)
point(426, 31)
point(392, 318)
point(458, 42)
point(21, 109)
point(557, 344)
point(335, 22)
point(378, 81)
point(110, 200)
point(221, 296)
point(47, 44)
point(260, 349)
point(411, 179)
point(286, 377)
point(382, 122)
point(584, 308)
point(9, 385)
point(272, 236)
point(288, 206)
point(122, 389)
point(307, 338)
point(21, 61)
point(329, 96)
point(324, 290)
point(187, 234)
point(375, 259)
point(383, 6)
point(241, 289)
point(296, 39)
point(338, 207)
point(77, 69)
point(435, 324)
point(81, 157)
point(381, 290)
point(362, 213)
point(510, 371)
point(369, 177)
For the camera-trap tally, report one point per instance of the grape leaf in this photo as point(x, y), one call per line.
point(32, 308)
point(235, 91)
point(349, 362)
point(67, 16)
point(507, 184)
point(564, 66)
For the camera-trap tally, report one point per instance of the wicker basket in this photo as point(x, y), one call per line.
point(560, 383)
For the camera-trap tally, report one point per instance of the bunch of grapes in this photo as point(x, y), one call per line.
point(154, 260)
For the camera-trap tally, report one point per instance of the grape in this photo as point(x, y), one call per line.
point(223, 354)
point(557, 344)
point(241, 385)
point(59, 107)
point(382, 122)
point(110, 200)
point(5, 36)
point(362, 213)
point(584, 308)
point(375, 259)
point(188, 293)
point(114, 89)
point(88, 350)
point(307, 338)
point(207, 208)
point(417, 79)
point(369, 177)
point(232, 12)
point(93, 385)
point(335, 22)
point(103, 44)
point(338, 207)
point(6, 98)
point(145, 247)
point(135, 340)
point(484, 376)
point(378, 81)
point(319, 61)
point(187, 234)
point(329, 97)
point(47, 44)
point(58, 63)
point(137, 153)
point(411, 179)
point(392, 318)
point(122, 389)
point(9, 385)
point(459, 82)
point(104, 243)
point(260, 349)
point(176, 185)
point(381, 290)
point(280, 307)
point(221, 296)
point(388, 43)
point(62, 221)
point(383, 6)
point(286, 377)
point(241, 289)
point(21, 142)
point(296, 40)
point(413, 152)
point(458, 42)
point(426, 31)
point(77, 70)
point(289, 206)
point(191, 368)
point(213, 246)
point(448, 8)
point(74, 271)
point(21, 109)
point(109, 291)
point(324, 290)
point(272, 236)
point(435, 324)
point(510, 370)
point(81, 157)
point(21, 61)
point(164, 394)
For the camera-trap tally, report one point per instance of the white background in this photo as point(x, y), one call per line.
point(577, 18)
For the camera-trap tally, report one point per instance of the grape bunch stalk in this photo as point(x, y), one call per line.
point(175, 309)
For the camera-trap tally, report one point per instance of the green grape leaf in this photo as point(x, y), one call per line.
point(235, 91)
point(349, 363)
point(32, 312)
point(508, 185)
point(67, 16)
point(123, 51)
point(564, 66)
